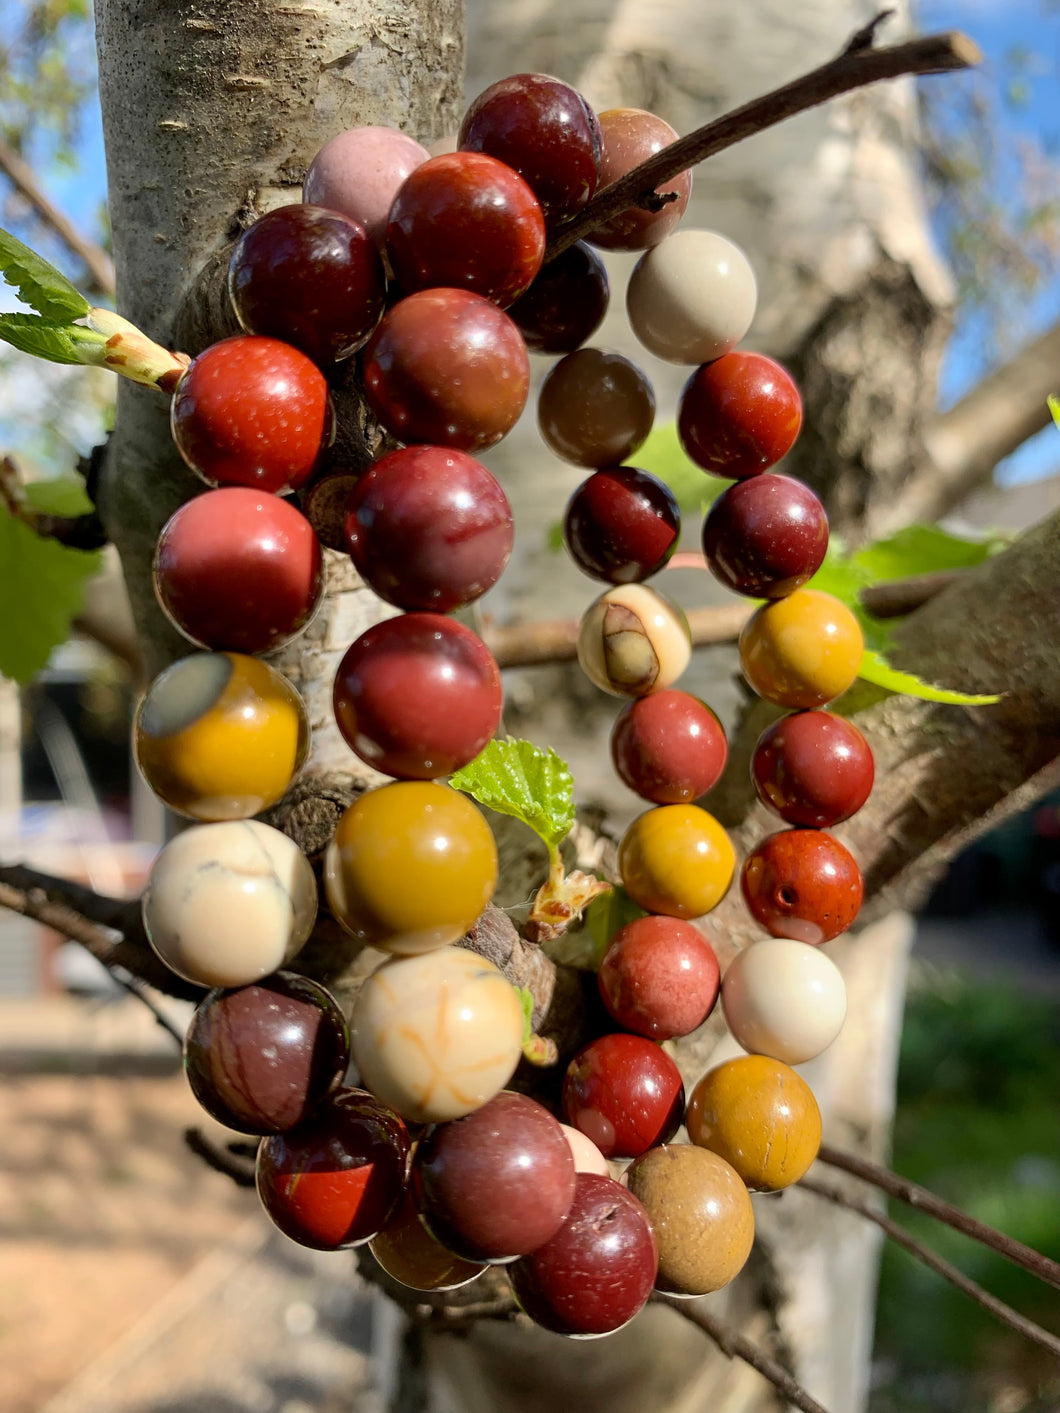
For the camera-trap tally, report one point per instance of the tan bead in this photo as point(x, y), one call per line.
point(760, 1116)
point(633, 640)
point(700, 1212)
point(691, 298)
point(802, 650)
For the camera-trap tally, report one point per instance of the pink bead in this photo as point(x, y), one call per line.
point(359, 173)
point(659, 977)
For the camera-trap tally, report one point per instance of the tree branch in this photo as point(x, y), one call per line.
point(1002, 1312)
point(854, 68)
point(229, 1159)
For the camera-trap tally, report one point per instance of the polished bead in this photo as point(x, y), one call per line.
point(784, 999)
point(813, 768)
point(359, 173)
point(622, 525)
point(595, 408)
point(220, 736)
point(668, 747)
point(765, 536)
point(587, 1157)
point(630, 137)
point(677, 860)
point(226, 904)
point(738, 415)
point(436, 1036)
point(408, 1253)
point(633, 640)
point(625, 1093)
point(692, 298)
point(263, 1058)
point(760, 1116)
point(803, 884)
point(701, 1215)
point(659, 977)
point(566, 303)
point(803, 650)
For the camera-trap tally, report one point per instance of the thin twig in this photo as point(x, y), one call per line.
point(223, 1158)
point(135, 987)
point(737, 1346)
point(924, 1201)
point(852, 69)
point(501, 1307)
point(1005, 1313)
point(95, 260)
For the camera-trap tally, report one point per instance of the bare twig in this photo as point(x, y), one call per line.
point(1005, 1313)
point(852, 69)
point(501, 1307)
point(737, 1346)
point(924, 1201)
point(229, 1159)
point(136, 987)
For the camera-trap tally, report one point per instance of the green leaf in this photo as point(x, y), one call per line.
point(923, 549)
point(526, 1001)
point(39, 284)
point(59, 495)
point(875, 669)
point(1054, 408)
point(606, 914)
point(58, 343)
point(41, 587)
point(517, 779)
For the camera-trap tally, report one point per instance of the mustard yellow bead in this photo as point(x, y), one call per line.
point(802, 650)
point(677, 860)
point(760, 1116)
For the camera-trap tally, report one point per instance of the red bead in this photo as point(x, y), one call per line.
point(599, 1268)
point(448, 367)
point(659, 977)
point(669, 747)
point(625, 1094)
point(813, 769)
point(252, 412)
point(333, 1182)
point(630, 137)
point(238, 569)
point(739, 415)
point(565, 304)
point(765, 536)
point(622, 525)
point(803, 884)
point(418, 696)
point(466, 221)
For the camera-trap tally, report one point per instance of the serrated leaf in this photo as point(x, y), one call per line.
point(58, 495)
point(923, 549)
point(875, 669)
point(41, 588)
point(1054, 408)
point(39, 284)
point(606, 914)
point(517, 779)
point(58, 343)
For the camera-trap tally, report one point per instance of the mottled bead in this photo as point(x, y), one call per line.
point(691, 298)
point(803, 884)
point(677, 860)
point(622, 525)
point(595, 408)
point(803, 650)
point(633, 640)
point(784, 999)
point(813, 768)
point(625, 1093)
point(760, 1116)
point(659, 977)
point(408, 1253)
point(668, 747)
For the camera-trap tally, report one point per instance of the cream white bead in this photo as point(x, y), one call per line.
point(437, 1035)
point(784, 999)
point(633, 640)
point(229, 903)
point(692, 297)
point(587, 1157)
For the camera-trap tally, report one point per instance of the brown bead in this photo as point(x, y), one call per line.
point(803, 884)
point(760, 1116)
point(700, 1212)
point(595, 408)
point(630, 137)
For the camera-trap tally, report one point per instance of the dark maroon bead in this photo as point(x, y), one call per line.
point(803, 884)
point(622, 525)
point(429, 528)
point(333, 1182)
point(669, 747)
point(466, 221)
point(418, 696)
point(310, 277)
point(545, 130)
point(262, 1058)
point(566, 303)
point(625, 1094)
point(739, 415)
point(599, 1268)
point(496, 1184)
point(765, 536)
point(659, 977)
point(813, 769)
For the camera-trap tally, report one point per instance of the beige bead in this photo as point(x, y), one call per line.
point(633, 640)
point(691, 299)
point(784, 999)
point(587, 1157)
point(437, 1035)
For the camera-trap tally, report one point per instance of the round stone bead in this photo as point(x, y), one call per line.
point(599, 1268)
point(813, 768)
point(239, 569)
point(226, 904)
point(566, 303)
point(595, 408)
point(418, 696)
point(436, 1036)
point(220, 736)
point(633, 640)
point(668, 747)
point(765, 536)
point(497, 1183)
point(803, 884)
point(587, 1157)
point(692, 298)
point(624, 1093)
point(359, 173)
point(784, 999)
point(677, 860)
point(410, 867)
point(761, 1117)
point(803, 650)
point(622, 525)
point(333, 1182)
point(700, 1212)
point(659, 977)
point(410, 1254)
point(739, 415)
point(263, 1058)
point(630, 137)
